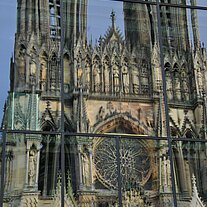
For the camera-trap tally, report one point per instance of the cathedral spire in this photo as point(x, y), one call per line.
point(194, 19)
point(113, 19)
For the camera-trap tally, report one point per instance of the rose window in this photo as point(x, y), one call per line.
point(134, 162)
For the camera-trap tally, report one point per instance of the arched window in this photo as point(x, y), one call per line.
point(49, 163)
point(54, 12)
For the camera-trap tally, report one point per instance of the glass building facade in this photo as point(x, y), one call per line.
point(106, 105)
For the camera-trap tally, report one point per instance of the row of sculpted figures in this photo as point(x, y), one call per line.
point(113, 75)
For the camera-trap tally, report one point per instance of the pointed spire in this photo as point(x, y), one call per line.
point(196, 200)
point(113, 19)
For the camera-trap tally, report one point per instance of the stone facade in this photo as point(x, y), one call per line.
point(114, 86)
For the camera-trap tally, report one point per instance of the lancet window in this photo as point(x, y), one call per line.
point(54, 10)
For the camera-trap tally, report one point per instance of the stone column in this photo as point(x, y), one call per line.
point(80, 167)
point(54, 166)
point(181, 171)
point(91, 166)
point(27, 166)
point(37, 167)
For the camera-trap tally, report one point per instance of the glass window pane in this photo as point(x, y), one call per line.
point(190, 171)
point(7, 41)
point(145, 172)
point(91, 171)
point(32, 165)
point(202, 3)
point(182, 40)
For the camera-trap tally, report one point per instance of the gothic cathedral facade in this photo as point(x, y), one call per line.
point(111, 86)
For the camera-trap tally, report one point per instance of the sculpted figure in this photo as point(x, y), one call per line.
point(101, 114)
point(43, 69)
point(177, 87)
point(125, 76)
point(135, 79)
point(86, 169)
point(79, 75)
point(96, 75)
point(32, 167)
point(169, 86)
point(106, 75)
point(87, 69)
point(116, 77)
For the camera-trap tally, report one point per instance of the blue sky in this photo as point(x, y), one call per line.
point(96, 27)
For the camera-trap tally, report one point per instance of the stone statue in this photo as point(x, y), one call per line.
point(101, 114)
point(96, 75)
point(32, 166)
point(115, 69)
point(125, 75)
point(87, 73)
point(86, 169)
point(135, 80)
point(177, 87)
point(43, 69)
point(43, 75)
point(199, 78)
point(169, 86)
point(21, 64)
point(106, 75)
point(33, 68)
point(79, 75)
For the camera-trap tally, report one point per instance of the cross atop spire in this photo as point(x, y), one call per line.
point(113, 19)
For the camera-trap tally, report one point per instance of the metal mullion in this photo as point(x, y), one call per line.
point(11, 131)
point(167, 119)
point(137, 1)
point(3, 163)
point(164, 4)
point(127, 136)
point(119, 176)
point(62, 104)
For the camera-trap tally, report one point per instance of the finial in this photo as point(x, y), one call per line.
point(113, 18)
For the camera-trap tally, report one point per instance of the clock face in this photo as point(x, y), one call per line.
point(134, 162)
